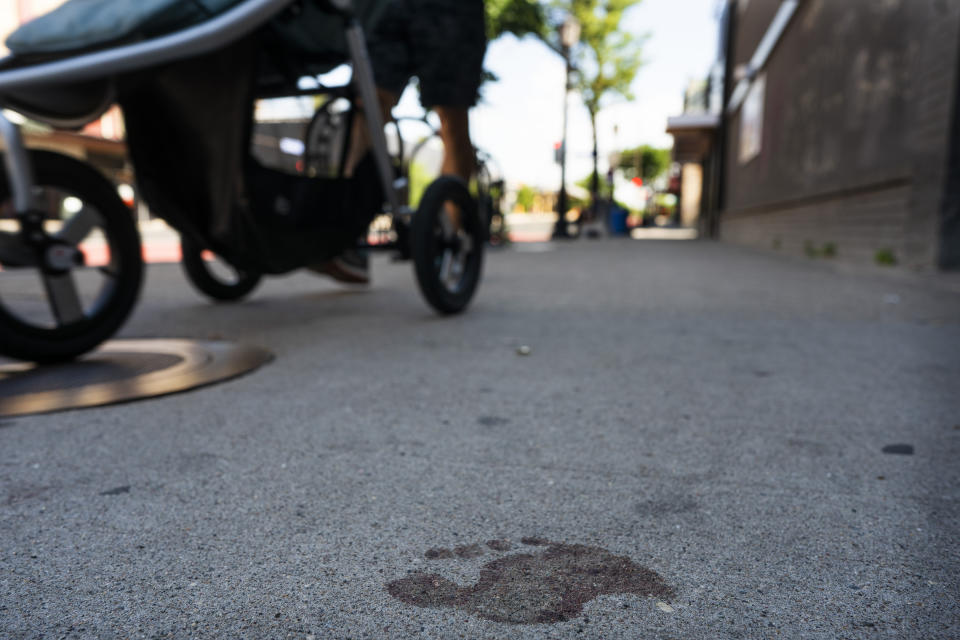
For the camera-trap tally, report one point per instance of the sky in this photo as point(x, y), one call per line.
point(520, 117)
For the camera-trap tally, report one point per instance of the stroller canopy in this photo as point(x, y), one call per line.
point(86, 24)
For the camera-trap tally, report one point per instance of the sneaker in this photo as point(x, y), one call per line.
point(352, 267)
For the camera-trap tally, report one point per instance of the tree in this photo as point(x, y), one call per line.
point(519, 17)
point(606, 59)
point(525, 197)
point(603, 191)
point(644, 161)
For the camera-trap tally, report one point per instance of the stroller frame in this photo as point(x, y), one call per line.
point(447, 258)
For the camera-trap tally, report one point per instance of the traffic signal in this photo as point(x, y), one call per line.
point(558, 152)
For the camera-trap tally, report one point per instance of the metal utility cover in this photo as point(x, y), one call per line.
point(122, 371)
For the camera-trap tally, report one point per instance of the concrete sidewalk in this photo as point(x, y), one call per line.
point(699, 431)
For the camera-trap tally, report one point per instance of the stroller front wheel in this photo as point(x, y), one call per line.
point(447, 238)
point(84, 246)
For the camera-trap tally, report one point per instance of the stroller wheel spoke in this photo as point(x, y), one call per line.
point(446, 226)
point(446, 265)
point(79, 226)
point(466, 243)
point(63, 297)
point(456, 272)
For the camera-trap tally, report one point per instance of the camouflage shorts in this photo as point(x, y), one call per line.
point(441, 42)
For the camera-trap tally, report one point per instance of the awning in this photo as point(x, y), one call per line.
point(690, 122)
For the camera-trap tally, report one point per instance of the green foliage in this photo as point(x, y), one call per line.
point(604, 190)
point(665, 203)
point(828, 250)
point(645, 161)
point(885, 257)
point(519, 17)
point(606, 58)
point(525, 197)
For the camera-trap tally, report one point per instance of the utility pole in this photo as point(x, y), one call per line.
point(569, 36)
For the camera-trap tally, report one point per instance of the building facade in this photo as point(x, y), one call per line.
point(838, 132)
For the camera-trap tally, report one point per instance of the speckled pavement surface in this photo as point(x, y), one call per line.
point(694, 421)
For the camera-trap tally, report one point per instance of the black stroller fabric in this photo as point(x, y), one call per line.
point(188, 131)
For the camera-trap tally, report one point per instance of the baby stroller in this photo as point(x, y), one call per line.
point(186, 74)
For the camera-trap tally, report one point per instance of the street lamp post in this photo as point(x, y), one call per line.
point(569, 36)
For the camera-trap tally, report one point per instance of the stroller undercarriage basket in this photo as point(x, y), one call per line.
point(194, 169)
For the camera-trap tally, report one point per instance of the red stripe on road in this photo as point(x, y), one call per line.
point(159, 252)
point(155, 252)
point(529, 236)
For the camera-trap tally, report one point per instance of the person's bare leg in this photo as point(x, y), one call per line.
point(360, 135)
point(459, 158)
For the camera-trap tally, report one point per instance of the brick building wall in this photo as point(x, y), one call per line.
point(753, 17)
point(860, 99)
point(950, 225)
point(935, 90)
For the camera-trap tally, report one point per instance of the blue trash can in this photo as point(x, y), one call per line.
point(618, 221)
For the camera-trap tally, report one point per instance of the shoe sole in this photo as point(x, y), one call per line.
point(342, 272)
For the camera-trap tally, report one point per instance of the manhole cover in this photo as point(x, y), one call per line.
point(120, 371)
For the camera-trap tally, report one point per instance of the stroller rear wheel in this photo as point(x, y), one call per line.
point(72, 269)
point(447, 238)
point(215, 278)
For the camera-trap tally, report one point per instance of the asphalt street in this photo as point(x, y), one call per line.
point(690, 445)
